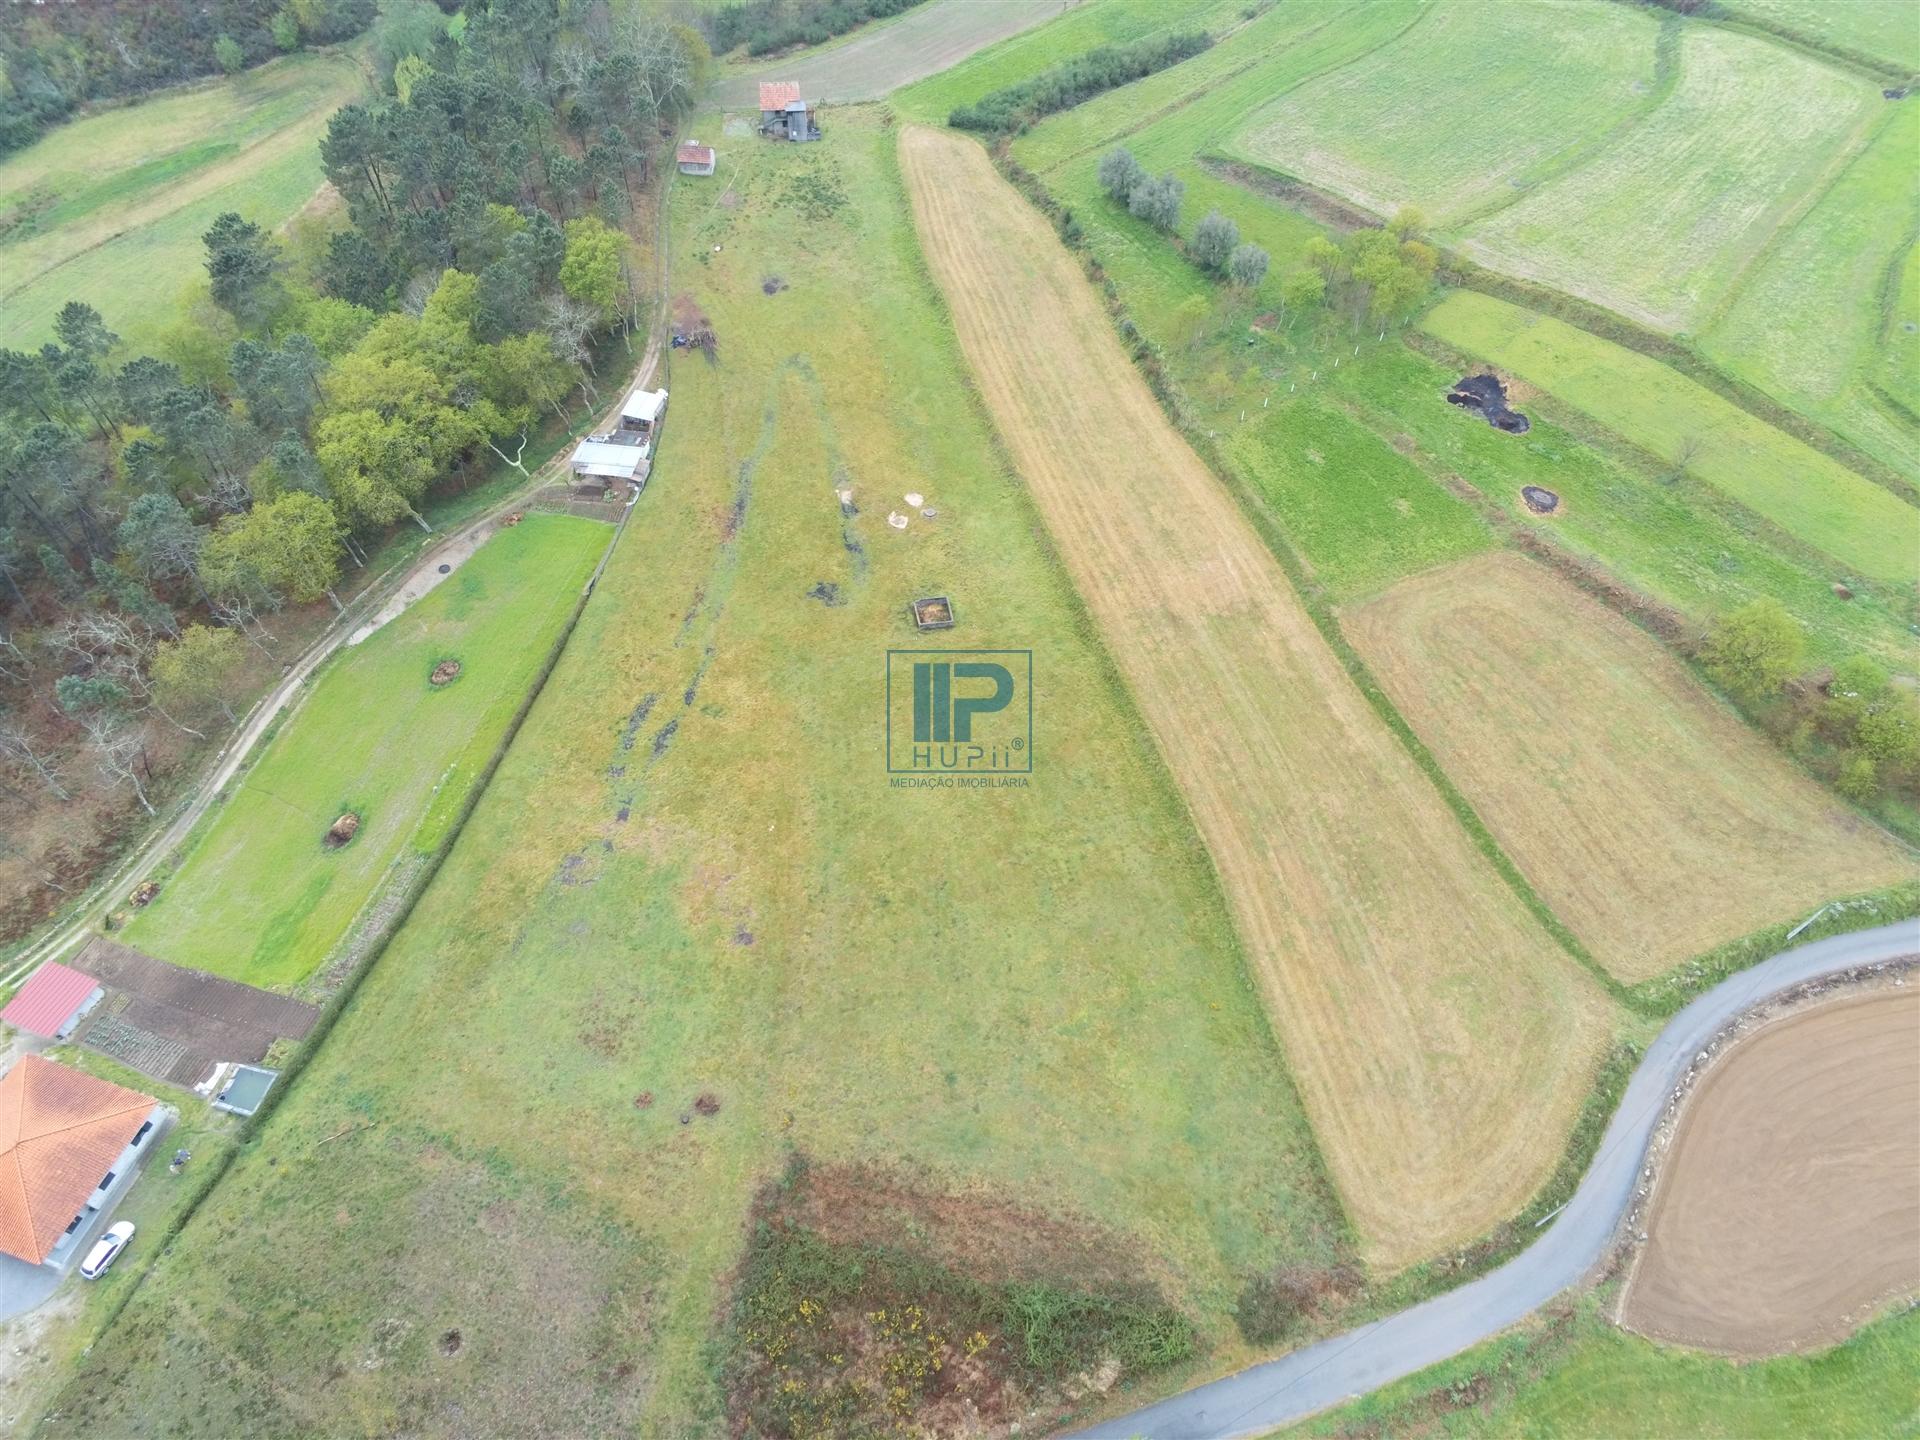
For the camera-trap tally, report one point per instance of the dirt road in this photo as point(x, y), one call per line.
point(881, 58)
point(1787, 1208)
point(1347, 1366)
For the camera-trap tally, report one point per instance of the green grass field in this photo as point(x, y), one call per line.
point(1668, 536)
point(690, 875)
point(1361, 514)
point(1463, 109)
point(259, 897)
point(1579, 1377)
point(1801, 327)
point(110, 208)
point(1805, 493)
point(1880, 30)
point(1693, 191)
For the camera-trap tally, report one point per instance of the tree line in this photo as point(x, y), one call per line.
point(764, 26)
point(1016, 108)
point(156, 510)
point(58, 57)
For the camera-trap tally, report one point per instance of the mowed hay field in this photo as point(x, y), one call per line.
point(110, 209)
point(1787, 1209)
point(1692, 192)
point(1810, 495)
point(1800, 328)
point(1881, 30)
point(691, 876)
point(259, 897)
point(1463, 107)
point(1648, 815)
point(1441, 1040)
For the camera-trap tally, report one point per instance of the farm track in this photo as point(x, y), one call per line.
point(1442, 1040)
point(933, 37)
point(1651, 818)
point(1280, 1392)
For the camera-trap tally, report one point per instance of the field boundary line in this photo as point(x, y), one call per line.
point(1839, 56)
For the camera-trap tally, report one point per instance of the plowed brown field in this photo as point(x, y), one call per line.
point(1651, 819)
point(1442, 1042)
point(1788, 1210)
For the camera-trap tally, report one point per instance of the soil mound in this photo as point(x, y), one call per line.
point(445, 672)
point(1486, 396)
point(342, 830)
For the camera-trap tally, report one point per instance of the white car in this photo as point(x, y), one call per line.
point(106, 1250)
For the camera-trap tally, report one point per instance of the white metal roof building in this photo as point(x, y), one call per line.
point(643, 409)
point(609, 460)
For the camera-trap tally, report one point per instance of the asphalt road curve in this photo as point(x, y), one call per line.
point(1297, 1385)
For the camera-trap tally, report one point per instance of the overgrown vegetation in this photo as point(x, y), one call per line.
point(58, 57)
point(1016, 107)
point(764, 26)
point(865, 1341)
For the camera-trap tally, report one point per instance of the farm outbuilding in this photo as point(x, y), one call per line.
point(783, 114)
point(641, 414)
point(694, 158)
point(602, 462)
point(53, 1001)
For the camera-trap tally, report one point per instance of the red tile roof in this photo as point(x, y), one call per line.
point(778, 94)
point(694, 155)
point(59, 1131)
point(47, 1001)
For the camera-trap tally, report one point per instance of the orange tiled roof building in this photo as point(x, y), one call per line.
point(60, 1131)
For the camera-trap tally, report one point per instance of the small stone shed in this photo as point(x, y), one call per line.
point(783, 114)
point(694, 158)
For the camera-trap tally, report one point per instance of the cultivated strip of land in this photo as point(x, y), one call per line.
point(1654, 822)
point(1788, 1208)
point(1442, 1041)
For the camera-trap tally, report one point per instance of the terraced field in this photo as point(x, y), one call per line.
point(1801, 328)
point(1440, 1039)
point(1806, 493)
point(1465, 107)
point(1695, 190)
point(1653, 821)
point(110, 209)
point(260, 898)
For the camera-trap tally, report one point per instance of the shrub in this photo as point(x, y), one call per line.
point(1120, 173)
point(1158, 201)
point(1213, 241)
point(1247, 266)
point(1754, 650)
point(1062, 86)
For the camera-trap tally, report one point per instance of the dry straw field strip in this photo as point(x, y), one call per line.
point(1442, 1042)
point(1651, 819)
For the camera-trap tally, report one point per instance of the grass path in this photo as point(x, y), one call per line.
point(1442, 1041)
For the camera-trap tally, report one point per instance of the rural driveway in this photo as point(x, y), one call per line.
point(1281, 1391)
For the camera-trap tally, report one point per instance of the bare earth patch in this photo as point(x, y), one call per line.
point(1788, 1209)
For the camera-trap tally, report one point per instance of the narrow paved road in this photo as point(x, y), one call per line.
point(1282, 1391)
